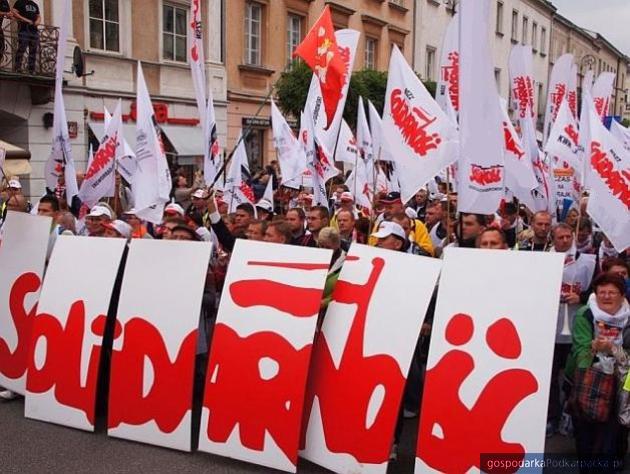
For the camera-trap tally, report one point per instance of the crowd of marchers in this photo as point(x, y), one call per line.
point(593, 321)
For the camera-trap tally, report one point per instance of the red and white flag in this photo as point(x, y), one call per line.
point(60, 162)
point(522, 82)
point(564, 137)
point(422, 139)
point(320, 51)
point(358, 185)
point(318, 158)
point(481, 143)
point(544, 194)
point(126, 163)
point(99, 180)
point(621, 133)
point(152, 181)
point(558, 88)
point(609, 180)
point(572, 91)
point(448, 82)
point(379, 143)
point(347, 150)
point(237, 191)
point(601, 92)
point(289, 151)
point(364, 141)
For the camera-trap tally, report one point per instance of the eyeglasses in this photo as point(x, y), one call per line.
point(608, 293)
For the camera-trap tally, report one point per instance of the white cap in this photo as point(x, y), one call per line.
point(100, 211)
point(389, 228)
point(411, 214)
point(121, 227)
point(200, 194)
point(14, 183)
point(265, 205)
point(346, 196)
point(174, 208)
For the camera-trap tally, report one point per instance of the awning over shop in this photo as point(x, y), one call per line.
point(16, 159)
point(187, 141)
point(129, 130)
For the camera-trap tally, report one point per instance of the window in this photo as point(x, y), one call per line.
point(174, 33)
point(514, 25)
point(429, 72)
point(497, 78)
point(104, 25)
point(253, 20)
point(535, 37)
point(294, 34)
point(543, 41)
point(499, 25)
point(524, 32)
point(370, 53)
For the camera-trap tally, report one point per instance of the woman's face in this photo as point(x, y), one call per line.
point(619, 270)
point(609, 298)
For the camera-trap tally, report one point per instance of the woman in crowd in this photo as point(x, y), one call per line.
point(598, 344)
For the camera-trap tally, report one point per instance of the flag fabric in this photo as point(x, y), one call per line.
point(126, 161)
point(481, 143)
point(587, 83)
point(358, 185)
point(151, 185)
point(563, 139)
point(422, 139)
point(364, 141)
point(347, 150)
point(60, 162)
point(447, 90)
point(99, 179)
point(317, 157)
point(268, 195)
point(320, 51)
point(608, 169)
point(558, 87)
point(572, 90)
point(522, 82)
point(544, 194)
point(601, 92)
point(289, 151)
point(584, 139)
point(212, 153)
point(196, 58)
point(380, 146)
point(237, 190)
point(621, 133)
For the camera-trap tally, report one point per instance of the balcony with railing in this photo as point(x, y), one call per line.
point(36, 66)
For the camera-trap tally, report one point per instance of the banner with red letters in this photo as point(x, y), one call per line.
point(488, 373)
point(362, 356)
point(22, 258)
point(261, 349)
point(155, 342)
point(68, 329)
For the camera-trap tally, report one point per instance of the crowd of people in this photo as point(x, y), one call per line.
point(593, 327)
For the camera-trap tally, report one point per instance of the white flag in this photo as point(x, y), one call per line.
point(380, 146)
point(621, 133)
point(60, 159)
point(564, 137)
point(587, 83)
point(152, 180)
point(268, 195)
point(609, 178)
point(316, 157)
point(347, 150)
point(558, 88)
point(99, 180)
point(584, 139)
point(481, 161)
point(423, 140)
point(126, 162)
point(522, 82)
point(572, 91)
point(196, 58)
point(289, 151)
point(448, 82)
point(358, 185)
point(237, 191)
point(364, 141)
point(602, 90)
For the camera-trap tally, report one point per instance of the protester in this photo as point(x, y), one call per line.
point(329, 238)
point(138, 228)
point(492, 239)
point(256, 230)
point(317, 219)
point(117, 229)
point(264, 208)
point(434, 213)
point(537, 238)
point(600, 341)
point(407, 224)
point(619, 267)
point(419, 203)
point(95, 220)
point(296, 219)
point(390, 236)
point(511, 223)
point(346, 224)
point(470, 226)
point(278, 232)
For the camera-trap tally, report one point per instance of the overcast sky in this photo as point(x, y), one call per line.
point(610, 18)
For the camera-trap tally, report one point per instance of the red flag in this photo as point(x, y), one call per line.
point(319, 50)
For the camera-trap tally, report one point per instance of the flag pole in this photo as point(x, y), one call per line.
point(448, 205)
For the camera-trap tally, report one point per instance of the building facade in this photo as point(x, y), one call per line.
point(114, 35)
point(512, 22)
point(271, 29)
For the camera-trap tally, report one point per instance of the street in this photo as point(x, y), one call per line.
point(37, 447)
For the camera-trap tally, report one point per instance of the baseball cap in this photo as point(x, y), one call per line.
point(14, 183)
point(389, 228)
point(173, 209)
point(411, 213)
point(100, 211)
point(265, 205)
point(346, 196)
point(123, 229)
point(392, 197)
point(200, 194)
